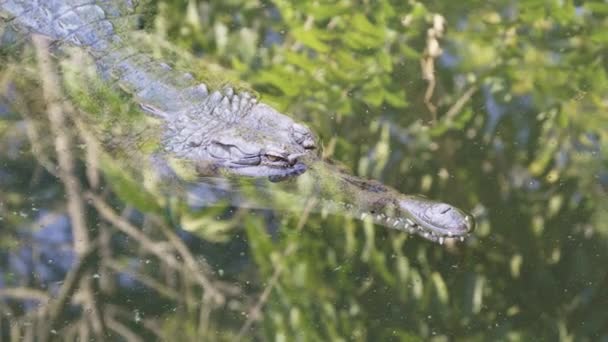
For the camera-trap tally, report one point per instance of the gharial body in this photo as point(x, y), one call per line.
point(222, 129)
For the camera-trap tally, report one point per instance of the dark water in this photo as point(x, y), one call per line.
point(512, 127)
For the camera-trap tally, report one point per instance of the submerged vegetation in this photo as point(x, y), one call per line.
point(501, 109)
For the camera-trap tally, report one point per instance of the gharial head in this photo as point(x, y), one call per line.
point(243, 137)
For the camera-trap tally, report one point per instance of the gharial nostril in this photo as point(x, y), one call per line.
point(446, 210)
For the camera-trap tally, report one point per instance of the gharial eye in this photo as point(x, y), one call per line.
point(273, 158)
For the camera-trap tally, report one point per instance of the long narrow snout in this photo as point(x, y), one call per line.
point(362, 198)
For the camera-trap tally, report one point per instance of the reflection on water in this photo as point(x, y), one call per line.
point(101, 239)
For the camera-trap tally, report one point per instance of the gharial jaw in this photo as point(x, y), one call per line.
point(432, 220)
point(343, 193)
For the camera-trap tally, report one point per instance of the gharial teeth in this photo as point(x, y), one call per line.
point(441, 240)
point(396, 223)
point(363, 215)
point(462, 239)
point(410, 221)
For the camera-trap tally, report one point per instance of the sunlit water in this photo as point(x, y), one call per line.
point(523, 152)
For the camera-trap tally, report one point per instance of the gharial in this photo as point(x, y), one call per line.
point(222, 130)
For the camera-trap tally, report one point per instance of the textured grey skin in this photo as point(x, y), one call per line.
point(222, 130)
point(249, 138)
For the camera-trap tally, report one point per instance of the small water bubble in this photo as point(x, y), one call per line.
point(137, 316)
